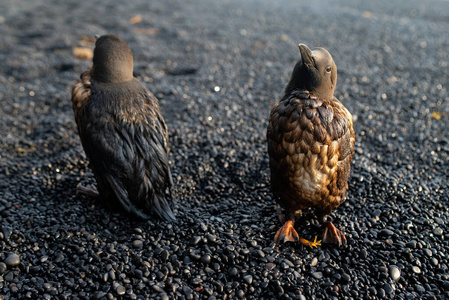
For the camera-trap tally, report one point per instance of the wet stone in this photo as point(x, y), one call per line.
point(206, 259)
point(7, 231)
point(248, 279)
point(289, 263)
point(165, 255)
point(345, 277)
point(9, 276)
point(411, 244)
point(386, 232)
point(187, 290)
point(120, 290)
point(138, 244)
point(2, 267)
point(395, 274)
point(420, 289)
point(211, 238)
point(317, 275)
point(12, 260)
point(363, 253)
point(434, 261)
point(59, 258)
point(437, 231)
point(195, 240)
point(233, 272)
point(388, 289)
point(427, 252)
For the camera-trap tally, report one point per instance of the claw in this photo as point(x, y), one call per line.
point(312, 244)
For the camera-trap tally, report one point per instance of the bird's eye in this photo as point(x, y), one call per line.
point(328, 69)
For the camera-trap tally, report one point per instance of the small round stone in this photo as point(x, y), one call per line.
point(120, 290)
point(388, 288)
point(437, 231)
point(317, 275)
point(165, 255)
point(233, 272)
point(206, 259)
point(211, 238)
point(3, 267)
point(411, 244)
point(248, 279)
point(195, 240)
point(395, 273)
point(345, 277)
point(12, 260)
point(138, 244)
point(420, 289)
point(386, 232)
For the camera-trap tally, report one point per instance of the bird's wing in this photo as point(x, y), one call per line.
point(340, 129)
point(81, 93)
point(151, 140)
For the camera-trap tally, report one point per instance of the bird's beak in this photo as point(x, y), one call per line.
point(306, 56)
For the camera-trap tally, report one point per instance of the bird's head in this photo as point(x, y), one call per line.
point(315, 71)
point(112, 61)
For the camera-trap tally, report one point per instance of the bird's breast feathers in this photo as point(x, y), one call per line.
point(304, 142)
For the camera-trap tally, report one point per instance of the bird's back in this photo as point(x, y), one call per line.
point(125, 138)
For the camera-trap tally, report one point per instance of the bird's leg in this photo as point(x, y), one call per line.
point(331, 234)
point(89, 190)
point(280, 214)
point(288, 233)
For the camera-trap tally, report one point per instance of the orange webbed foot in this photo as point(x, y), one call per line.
point(287, 233)
point(332, 235)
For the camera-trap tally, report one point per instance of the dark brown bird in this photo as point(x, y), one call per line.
point(310, 144)
point(123, 134)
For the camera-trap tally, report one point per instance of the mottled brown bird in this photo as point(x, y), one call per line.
point(310, 144)
point(123, 134)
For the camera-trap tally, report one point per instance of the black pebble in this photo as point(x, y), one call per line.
point(12, 260)
point(2, 268)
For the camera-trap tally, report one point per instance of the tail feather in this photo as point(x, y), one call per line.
point(155, 203)
point(122, 196)
point(162, 208)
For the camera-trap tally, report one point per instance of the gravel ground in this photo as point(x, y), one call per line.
point(217, 67)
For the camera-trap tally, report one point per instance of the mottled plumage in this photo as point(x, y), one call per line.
point(123, 133)
point(310, 144)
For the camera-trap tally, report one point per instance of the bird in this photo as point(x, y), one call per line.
point(310, 139)
point(123, 134)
